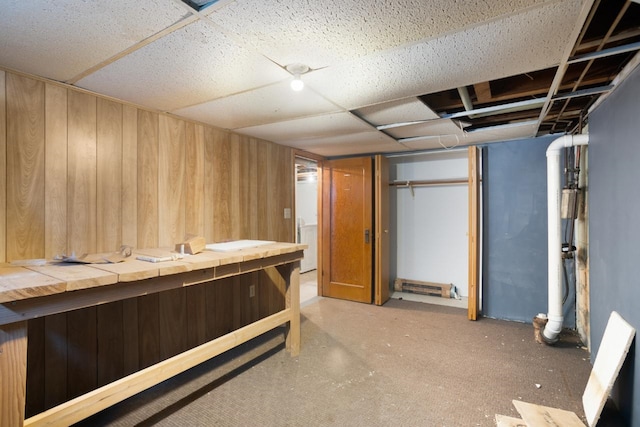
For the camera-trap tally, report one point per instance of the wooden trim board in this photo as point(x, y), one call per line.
point(543, 416)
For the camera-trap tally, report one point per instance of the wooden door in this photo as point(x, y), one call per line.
point(382, 230)
point(347, 229)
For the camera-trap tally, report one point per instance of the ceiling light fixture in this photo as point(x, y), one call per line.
point(297, 70)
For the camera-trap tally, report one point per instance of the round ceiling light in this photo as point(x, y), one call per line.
point(297, 70)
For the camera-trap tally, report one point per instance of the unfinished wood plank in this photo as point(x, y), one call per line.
point(77, 276)
point(18, 283)
point(543, 416)
point(129, 176)
point(612, 352)
point(55, 199)
point(171, 180)
point(131, 270)
point(25, 168)
point(483, 92)
point(253, 177)
point(3, 164)
point(13, 373)
point(474, 233)
point(81, 201)
point(109, 175)
point(505, 421)
point(147, 168)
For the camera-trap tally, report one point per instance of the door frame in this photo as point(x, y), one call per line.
point(320, 161)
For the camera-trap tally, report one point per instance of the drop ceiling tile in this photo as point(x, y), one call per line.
point(349, 144)
point(274, 103)
point(440, 127)
point(529, 41)
point(320, 34)
point(497, 133)
point(403, 110)
point(309, 128)
point(187, 67)
point(60, 39)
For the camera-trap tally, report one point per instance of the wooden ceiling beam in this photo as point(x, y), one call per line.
point(483, 92)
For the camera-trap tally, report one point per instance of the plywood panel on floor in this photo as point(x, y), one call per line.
point(544, 416)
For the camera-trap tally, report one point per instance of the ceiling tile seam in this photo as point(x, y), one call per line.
point(308, 116)
point(562, 67)
point(139, 45)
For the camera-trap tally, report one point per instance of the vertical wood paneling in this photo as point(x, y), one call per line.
point(280, 190)
point(110, 342)
point(194, 180)
point(82, 351)
point(243, 161)
point(210, 141)
point(252, 190)
point(222, 202)
point(148, 330)
point(82, 173)
point(55, 365)
point(236, 184)
point(147, 179)
point(131, 357)
point(25, 168)
point(173, 322)
point(35, 402)
point(223, 311)
point(196, 315)
point(262, 191)
point(109, 175)
point(3, 167)
point(171, 199)
point(55, 199)
point(129, 176)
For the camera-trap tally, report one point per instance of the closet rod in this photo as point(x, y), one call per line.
point(431, 182)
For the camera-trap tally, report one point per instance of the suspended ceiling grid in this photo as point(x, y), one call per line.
point(385, 76)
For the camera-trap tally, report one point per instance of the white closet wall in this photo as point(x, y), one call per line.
point(430, 225)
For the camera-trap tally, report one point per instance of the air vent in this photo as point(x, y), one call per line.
point(199, 4)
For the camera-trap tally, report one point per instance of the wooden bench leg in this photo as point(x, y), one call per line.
point(13, 373)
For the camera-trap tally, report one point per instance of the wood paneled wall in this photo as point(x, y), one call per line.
point(88, 174)
point(84, 173)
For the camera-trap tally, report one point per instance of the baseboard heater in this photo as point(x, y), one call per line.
point(424, 288)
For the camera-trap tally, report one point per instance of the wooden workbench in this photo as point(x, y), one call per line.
point(33, 292)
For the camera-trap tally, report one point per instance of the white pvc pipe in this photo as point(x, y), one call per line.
point(554, 315)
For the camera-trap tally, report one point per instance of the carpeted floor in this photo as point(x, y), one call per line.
point(403, 364)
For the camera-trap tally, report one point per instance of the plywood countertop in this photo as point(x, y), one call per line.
point(18, 283)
